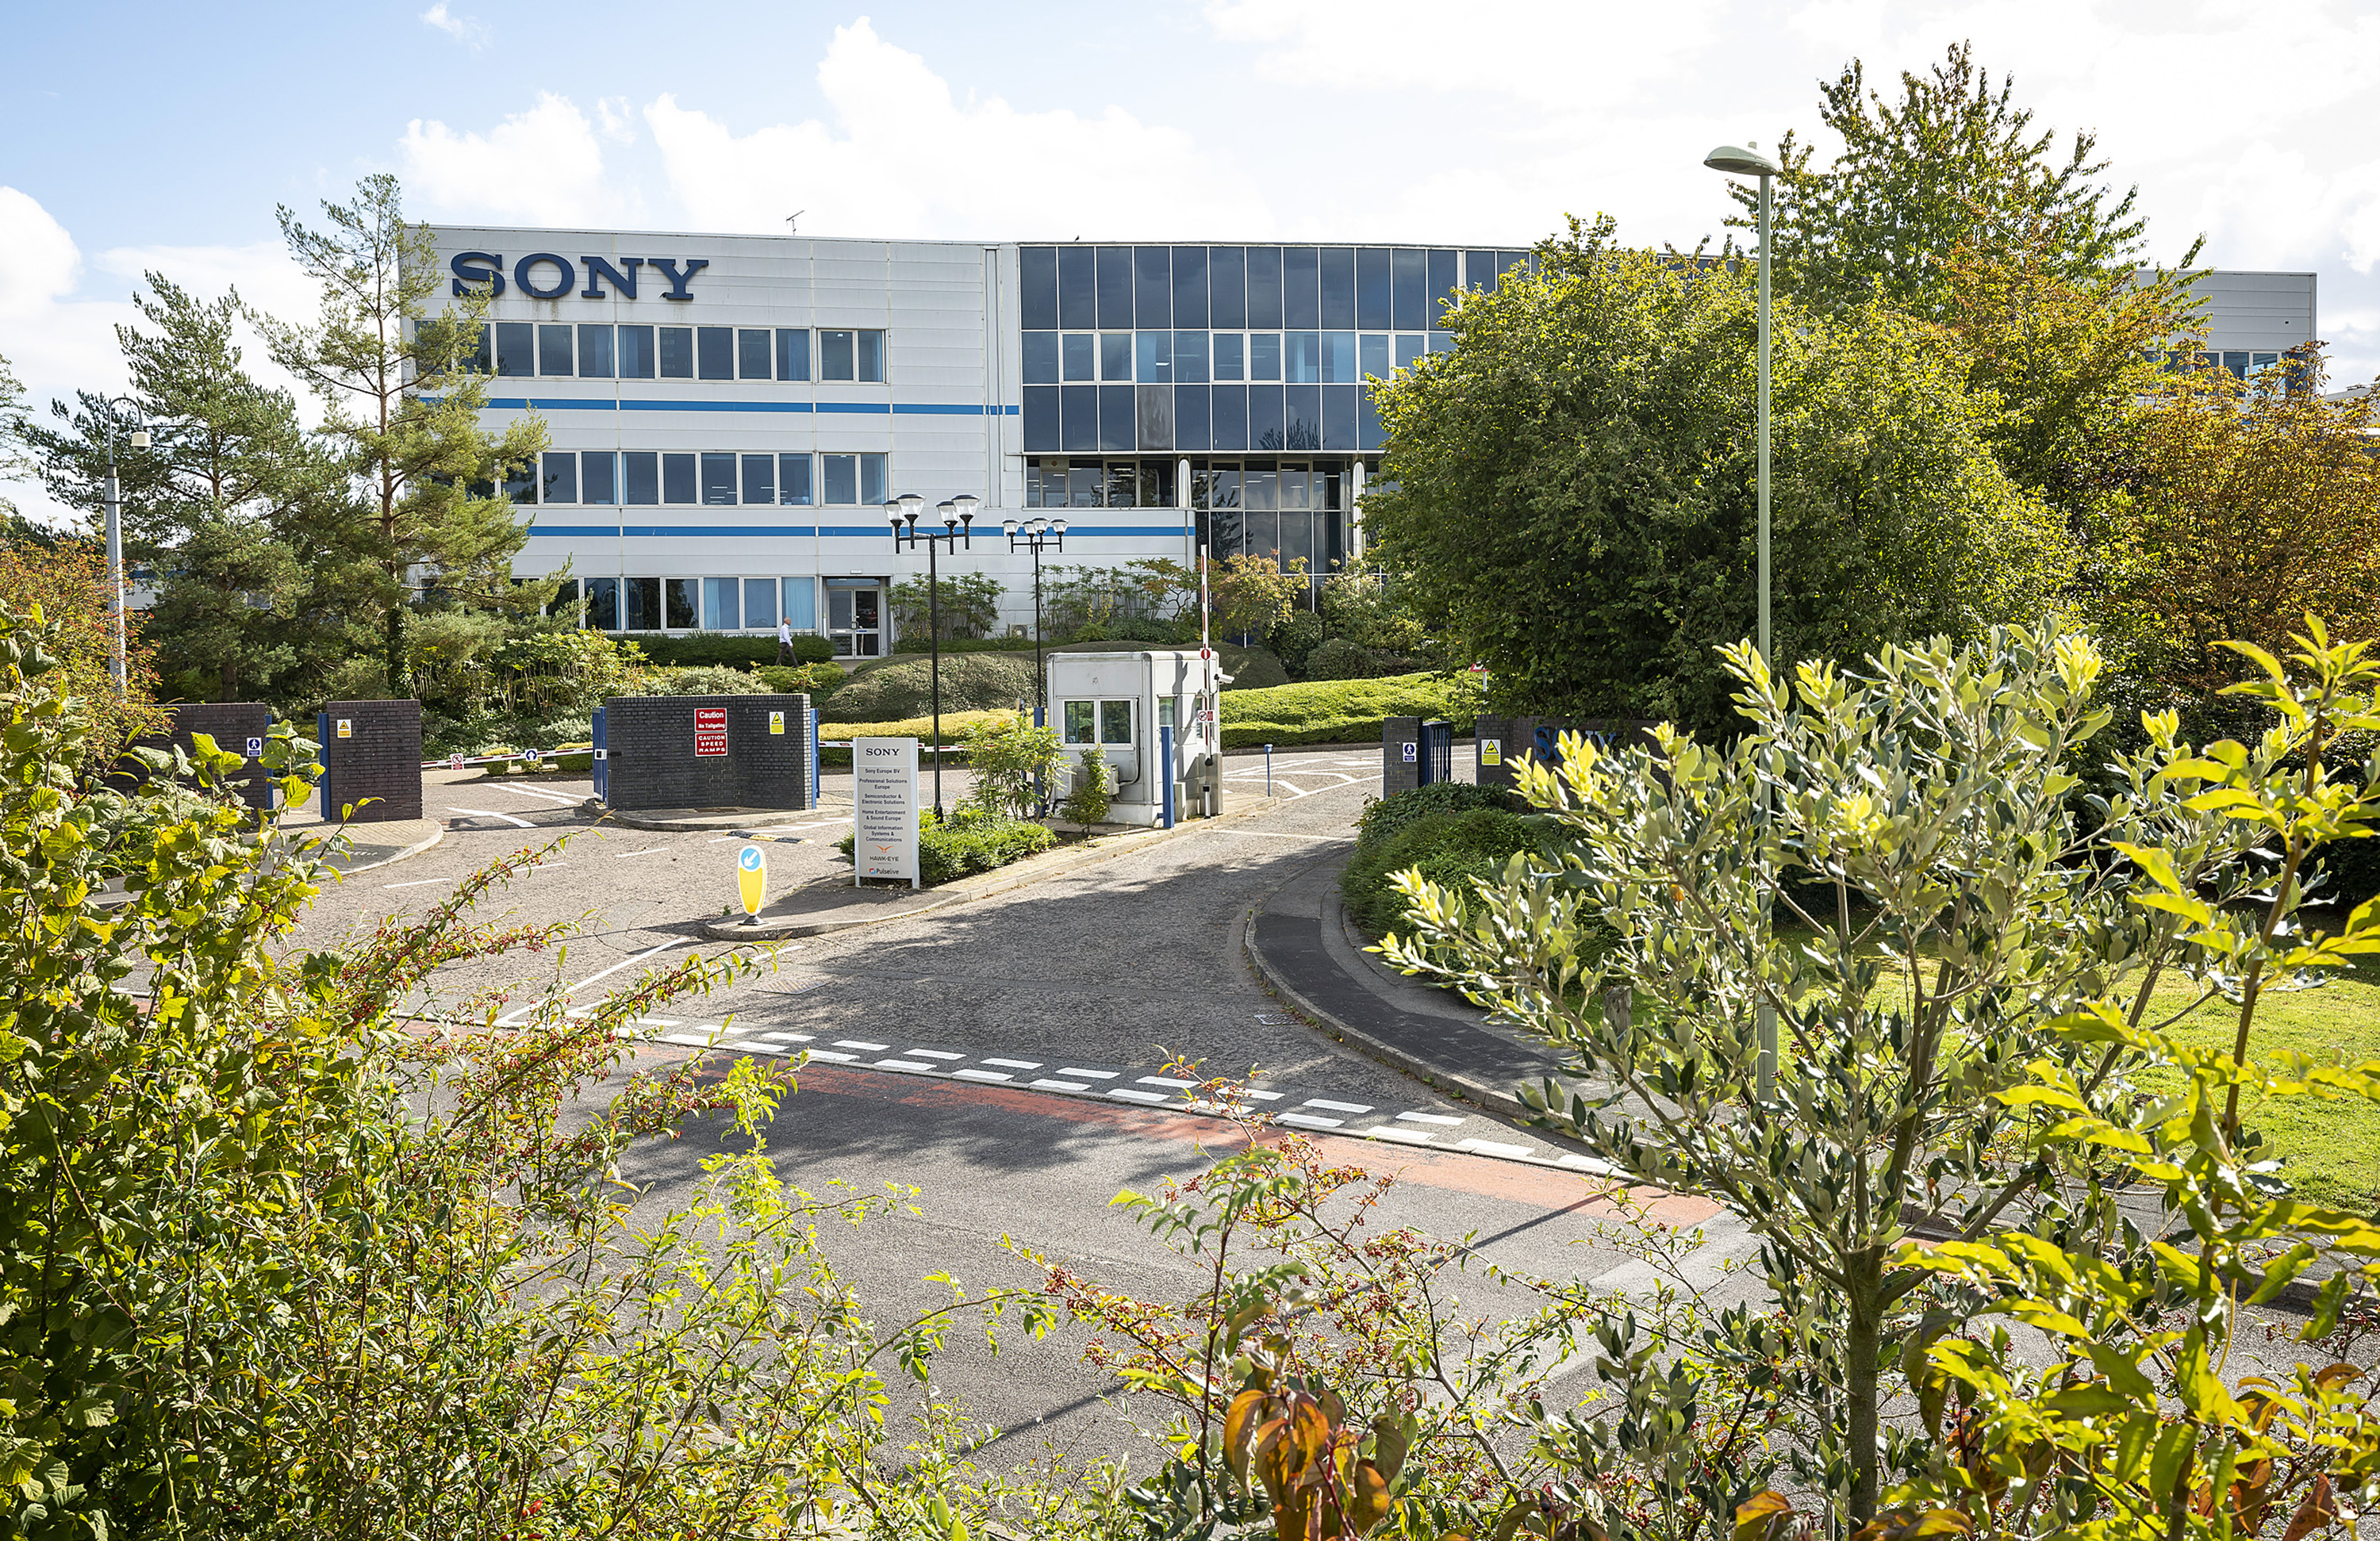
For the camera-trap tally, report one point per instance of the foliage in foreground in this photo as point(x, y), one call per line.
point(1963, 1037)
point(278, 1258)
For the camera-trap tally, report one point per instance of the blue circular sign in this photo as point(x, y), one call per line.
point(750, 859)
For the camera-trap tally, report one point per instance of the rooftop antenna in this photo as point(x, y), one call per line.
point(790, 218)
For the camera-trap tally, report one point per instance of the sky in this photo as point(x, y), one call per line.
point(161, 136)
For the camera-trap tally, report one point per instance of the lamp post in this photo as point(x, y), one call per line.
point(1736, 161)
point(113, 501)
point(1036, 535)
point(958, 518)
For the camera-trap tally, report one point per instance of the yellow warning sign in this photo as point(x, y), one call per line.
point(347, 728)
point(777, 723)
point(1492, 751)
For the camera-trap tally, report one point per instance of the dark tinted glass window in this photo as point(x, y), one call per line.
point(760, 479)
point(516, 348)
point(719, 479)
point(603, 603)
point(594, 352)
point(1264, 356)
point(1037, 270)
point(1227, 286)
point(871, 479)
point(644, 606)
point(835, 355)
point(1119, 418)
point(1040, 361)
point(1080, 426)
point(561, 477)
point(677, 352)
point(1339, 358)
point(1302, 428)
point(1338, 263)
point(1190, 430)
point(636, 353)
point(1368, 427)
point(794, 481)
point(1409, 304)
point(1410, 347)
point(1479, 271)
point(752, 350)
point(1189, 285)
point(1115, 287)
point(1507, 261)
point(1078, 355)
point(1152, 286)
point(483, 357)
point(685, 603)
point(1340, 413)
point(1442, 278)
point(1263, 418)
point(1230, 357)
point(1301, 303)
point(520, 482)
point(600, 477)
point(1115, 355)
point(1264, 288)
point(1153, 411)
point(677, 479)
point(1228, 412)
point(842, 478)
point(1372, 286)
point(1190, 357)
point(793, 352)
point(1153, 358)
point(1042, 434)
point(1374, 362)
point(641, 477)
point(1078, 290)
point(553, 350)
point(871, 357)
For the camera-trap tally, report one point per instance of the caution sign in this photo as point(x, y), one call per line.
point(347, 728)
point(1492, 751)
point(710, 730)
point(777, 723)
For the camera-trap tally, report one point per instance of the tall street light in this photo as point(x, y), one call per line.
point(958, 518)
point(1036, 535)
point(138, 439)
point(1736, 161)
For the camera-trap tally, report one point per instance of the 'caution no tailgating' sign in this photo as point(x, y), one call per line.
point(710, 730)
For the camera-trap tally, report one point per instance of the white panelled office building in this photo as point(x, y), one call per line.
point(729, 413)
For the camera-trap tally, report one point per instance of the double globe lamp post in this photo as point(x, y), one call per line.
point(958, 518)
point(1036, 535)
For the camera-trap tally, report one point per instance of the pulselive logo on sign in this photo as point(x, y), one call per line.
point(710, 730)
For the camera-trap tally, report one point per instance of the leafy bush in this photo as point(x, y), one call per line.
point(817, 681)
point(1294, 639)
point(1342, 711)
point(1383, 817)
point(971, 681)
point(1145, 628)
point(1012, 762)
point(954, 727)
point(968, 603)
point(716, 679)
point(969, 843)
point(1340, 660)
point(696, 648)
point(967, 645)
point(1448, 849)
point(1094, 783)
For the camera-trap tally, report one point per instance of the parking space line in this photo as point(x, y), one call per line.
point(491, 812)
point(511, 1017)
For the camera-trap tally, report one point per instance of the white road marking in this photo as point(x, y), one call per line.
point(1062, 1085)
point(1587, 1163)
point(1431, 1117)
point(1390, 1131)
point(903, 1064)
point(491, 812)
point(540, 792)
point(1336, 1106)
point(1131, 1096)
point(699, 1040)
point(935, 1055)
point(861, 1043)
point(1307, 1121)
point(787, 1037)
point(660, 1021)
point(649, 850)
point(1260, 1095)
point(1490, 1147)
point(418, 883)
point(831, 1054)
point(510, 1018)
point(1163, 1080)
point(1014, 1064)
point(756, 1047)
point(1095, 1075)
point(980, 1075)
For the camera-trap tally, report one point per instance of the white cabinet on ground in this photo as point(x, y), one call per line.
point(1117, 702)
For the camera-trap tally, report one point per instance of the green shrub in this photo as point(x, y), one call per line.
point(971, 681)
point(1094, 786)
point(1294, 639)
point(716, 679)
point(1383, 817)
point(1012, 762)
point(1445, 848)
point(969, 843)
point(918, 644)
point(700, 648)
point(818, 681)
point(1342, 711)
point(1342, 660)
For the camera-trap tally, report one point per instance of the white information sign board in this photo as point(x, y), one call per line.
point(884, 809)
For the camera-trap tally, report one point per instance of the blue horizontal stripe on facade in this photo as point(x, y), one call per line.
point(586, 404)
point(573, 532)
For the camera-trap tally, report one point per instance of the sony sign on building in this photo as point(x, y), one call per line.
point(729, 413)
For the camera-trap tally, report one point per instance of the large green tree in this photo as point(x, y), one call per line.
point(395, 362)
point(1572, 494)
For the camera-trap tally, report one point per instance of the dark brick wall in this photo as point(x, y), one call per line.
point(1397, 773)
point(649, 752)
point(231, 724)
point(1542, 735)
point(380, 760)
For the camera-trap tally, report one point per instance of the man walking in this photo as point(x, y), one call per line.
point(786, 640)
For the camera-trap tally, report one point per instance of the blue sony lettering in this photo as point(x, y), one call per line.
point(478, 267)
point(677, 282)
point(569, 275)
point(624, 278)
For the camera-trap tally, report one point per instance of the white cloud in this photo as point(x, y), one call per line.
point(462, 29)
point(940, 165)
point(544, 166)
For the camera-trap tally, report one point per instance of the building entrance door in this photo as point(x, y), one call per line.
point(854, 616)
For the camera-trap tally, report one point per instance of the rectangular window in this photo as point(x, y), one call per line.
point(1190, 357)
point(759, 601)
point(835, 356)
point(1228, 411)
point(1153, 358)
point(603, 605)
point(684, 597)
point(1041, 359)
point(1190, 427)
point(1115, 355)
point(793, 352)
point(1410, 347)
point(553, 350)
point(1079, 417)
point(1227, 287)
point(636, 353)
point(516, 348)
point(1338, 273)
point(641, 477)
point(1265, 417)
point(1442, 282)
point(1372, 361)
point(677, 478)
point(1264, 356)
point(842, 478)
point(520, 482)
point(1303, 427)
point(1119, 419)
point(794, 481)
point(1078, 716)
point(800, 598)
point(644, 603)
point(871, 358)
point(752, 350)
point(601, 477)
point(719, 479)
point(715, 345)
point(1304, 364)
point(1115, 288)
point(594, 352)
point(1078, 353)
point(677, 352)
point(561, 477)
point(1153, 412)
point(1479, 271)
point(1078, 289)
point(1409, 290)
point(760, 479)
point(1115, 721)
point(1264, 288)
point(1152, 287)
point(1342, 418)
point(484, 358)
point(722, 604)
point(1037, 288)
point(1189, 287)
point(1084, 484)
point(1231, 351)
point(1373, 288)
point(871, 479)
point(1122, 484)
point(1041, 418)
point(1300, 304)
point(1339, 358)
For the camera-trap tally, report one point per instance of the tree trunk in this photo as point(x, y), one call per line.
point(230, 679)
point(392, 654)
point(1861, 1352)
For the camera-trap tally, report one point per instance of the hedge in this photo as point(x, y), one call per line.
point(969, 844)
point(954, 726)
point(700, 648)
point(1447, 848)
point(1340, 712)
